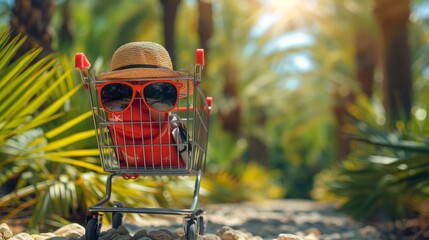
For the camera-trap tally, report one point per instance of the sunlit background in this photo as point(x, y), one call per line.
point(299, 91)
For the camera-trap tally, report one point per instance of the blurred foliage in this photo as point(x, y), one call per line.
point(98, 28)
point(246, 182)
point(391, 165)
point(386, 173)
point(93, 21)
point(276, 97)
point(288, 60)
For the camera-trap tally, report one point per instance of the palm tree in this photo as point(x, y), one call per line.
point(169, 19)
point(205, 24)
point(33, 19)
point(392, 20)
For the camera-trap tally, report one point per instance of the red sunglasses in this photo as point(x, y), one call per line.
point(159, 96)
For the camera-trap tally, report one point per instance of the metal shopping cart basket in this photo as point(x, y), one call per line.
point(135, 139)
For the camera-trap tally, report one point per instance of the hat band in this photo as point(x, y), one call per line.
point(140, 66)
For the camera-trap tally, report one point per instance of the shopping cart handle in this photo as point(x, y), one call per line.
point(209, 103)
point(199, 57)
point(80, 61)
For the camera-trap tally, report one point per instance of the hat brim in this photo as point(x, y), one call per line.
point(151, 74)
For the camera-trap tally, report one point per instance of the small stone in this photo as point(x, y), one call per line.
point(367, 230)
point(334, 236)
point(210, 237)
point(23, 236)
point(160, 235)
point(351, 235)
point(240, 235)
point(314, 231)
point(5, 231)
point(223, 229)
point(43, 236)
point(71, 230)
point(256, 238)
point(122, 237)
point(73, 234)
point(285, 236)
point(225, 233)
point(166, 231)
point(109, 234)
point(47, 235)
point(143, 238)
point(140, 233)
point(122, 230)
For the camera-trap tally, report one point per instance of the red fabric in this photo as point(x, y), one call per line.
point(143, 138)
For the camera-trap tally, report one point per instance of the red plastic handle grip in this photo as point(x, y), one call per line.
point(209, 101)
point(80, 61)
point(199, 56)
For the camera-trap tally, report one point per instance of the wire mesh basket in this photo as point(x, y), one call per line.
point(141, 141)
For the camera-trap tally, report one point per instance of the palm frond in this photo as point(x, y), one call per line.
point(33, 96)
point(386, 164)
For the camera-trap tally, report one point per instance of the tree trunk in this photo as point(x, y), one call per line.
point(169, 19)
point(230, 115)
point(65, 33)
point(32, 19)
point(365, 65)
point(341, 117)
point(205, 23)
point(258, 149)
point(392, 19)
point(365, 61)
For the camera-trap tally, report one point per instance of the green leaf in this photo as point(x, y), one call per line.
point(73, 122)
point(63, 142)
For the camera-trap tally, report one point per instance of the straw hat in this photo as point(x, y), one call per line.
point(140, 60)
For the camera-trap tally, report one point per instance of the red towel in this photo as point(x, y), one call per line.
point(143, 138)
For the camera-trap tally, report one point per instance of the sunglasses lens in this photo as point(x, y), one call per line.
point(161, 96)
point(116, 97)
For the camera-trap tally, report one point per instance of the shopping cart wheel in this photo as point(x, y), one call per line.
point(92, 229)
point(116, 219)
point(191, 231)
point(200, 224)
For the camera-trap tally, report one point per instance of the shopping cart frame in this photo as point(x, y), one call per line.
point(193, 219)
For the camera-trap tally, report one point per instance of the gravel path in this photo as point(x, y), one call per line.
point(307, 219)
point(277, 219)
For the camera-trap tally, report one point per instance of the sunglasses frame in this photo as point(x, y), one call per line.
point(140, 88)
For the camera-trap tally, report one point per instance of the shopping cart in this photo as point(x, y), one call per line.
point(137, 142)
